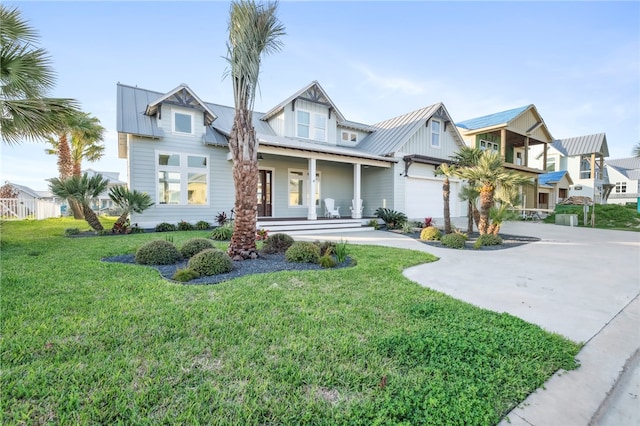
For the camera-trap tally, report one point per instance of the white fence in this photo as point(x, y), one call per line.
point(18, 209)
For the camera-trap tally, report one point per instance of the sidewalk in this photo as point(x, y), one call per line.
point(581, 283)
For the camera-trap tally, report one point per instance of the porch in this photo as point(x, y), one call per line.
point(289, 225)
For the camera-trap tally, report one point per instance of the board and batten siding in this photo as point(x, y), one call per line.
point(377, 189)
point(340, 142)
point(277, 123)
point(526, 121)
point(420, 142)
point(143, 173)
point(290, 119)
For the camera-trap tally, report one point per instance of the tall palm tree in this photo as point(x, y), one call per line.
point(129, 201)
point(447, 171)
point(490, 174)
point(636, 150)
point(25, 78)
point(82, 189)
point(470, 194)
point(254, 30)
point(467, 157)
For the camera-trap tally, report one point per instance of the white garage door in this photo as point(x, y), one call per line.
point(423, 198)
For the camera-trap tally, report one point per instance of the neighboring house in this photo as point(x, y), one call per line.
point(29, 204)
point(512, 133)
point(583, 158)
point(176, 150)
point(553, 188)
point(624, 175)
point(104, 204)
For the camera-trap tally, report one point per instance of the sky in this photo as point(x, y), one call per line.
point(577, 62)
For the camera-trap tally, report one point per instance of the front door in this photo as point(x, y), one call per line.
point(264, 193)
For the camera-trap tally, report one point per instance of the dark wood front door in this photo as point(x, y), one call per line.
point(264, 193)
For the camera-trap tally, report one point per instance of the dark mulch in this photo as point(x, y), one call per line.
point(265, 263)
point(508, 241)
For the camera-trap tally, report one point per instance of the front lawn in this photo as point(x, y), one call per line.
point(90, 342)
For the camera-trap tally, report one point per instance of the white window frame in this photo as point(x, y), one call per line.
point(183, 170)
point(621, 187)
point(352, 137)
point(305, 188)
point(173, 121)
point(551, 161)
point(313, 127)
point(434, 133)
point(485, 144)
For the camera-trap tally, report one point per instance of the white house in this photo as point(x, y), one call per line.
point(624, 175)
point(176, 149)
point(29, 203)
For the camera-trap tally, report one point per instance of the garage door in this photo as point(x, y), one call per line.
point(423, 198)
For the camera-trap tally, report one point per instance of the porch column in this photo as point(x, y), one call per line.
point(536, 197)
point(357, 209)
point(544, 157)
point(311, 213)
point(593, 167)
point(526, 152)
point(503, 144)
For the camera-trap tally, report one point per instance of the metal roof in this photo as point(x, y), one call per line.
point(25, 189)
point(552, 177)
point(492, 119)
point(629, 167)
point(579, 145)
point(313, 84)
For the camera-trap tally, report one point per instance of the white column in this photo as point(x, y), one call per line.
point(311, 182)
point(357, 209)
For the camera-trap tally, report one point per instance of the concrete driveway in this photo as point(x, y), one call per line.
point(581, 283)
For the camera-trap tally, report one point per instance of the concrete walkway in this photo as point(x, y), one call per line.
point(581, 283)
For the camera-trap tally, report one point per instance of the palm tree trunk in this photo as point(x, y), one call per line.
point(476, 216)
point(446, 191)
point(486, 202)
point(66, 170)
point(76, 209)
point(91, 218)
point(470, 208)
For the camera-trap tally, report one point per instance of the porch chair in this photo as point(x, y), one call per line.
point(330, 208)
point(356, 207)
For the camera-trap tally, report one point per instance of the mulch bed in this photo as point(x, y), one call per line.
point(508, 241)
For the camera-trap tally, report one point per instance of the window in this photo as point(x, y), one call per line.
point(621, 187)
point(489, 145)
point(182, 122)
point(585, 168)
point(298, 192)
point(182, 179)
point(311, 126)
point(562, 193)
point(435, 133)
point(551, 164)
point(349, 136)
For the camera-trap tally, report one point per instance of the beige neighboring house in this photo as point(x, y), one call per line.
point(553, 188)
point(624, 175)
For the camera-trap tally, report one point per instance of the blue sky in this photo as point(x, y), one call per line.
point(578, 62)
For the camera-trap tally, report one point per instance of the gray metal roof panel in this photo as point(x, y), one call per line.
point(131, 105)
point(629, 167)
point(588, 144)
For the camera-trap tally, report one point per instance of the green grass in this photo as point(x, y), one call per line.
point(608, 216)
point(89, 342)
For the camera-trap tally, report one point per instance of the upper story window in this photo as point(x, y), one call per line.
point(349, 136)
point(551, 164)
point(585, 168)
point(310, 125)
point(182, 122)
point(435, 133)
point(621, 187)
point(489, 145)
point(182, 179)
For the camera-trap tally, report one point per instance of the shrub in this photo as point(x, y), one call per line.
point(71, 231)
point(277, 243)
point(184, 275)
point(211, 262)
point(262, 234)
point(373, 223)
point(135, 229)
point(453, 240)
point(326, 247)
point(341, 251)
point(430, 233)
point(221, 218)
point(195, 246)
point(158, 252)
point(327, 261)
point(203, 225)
point(393, 219)
point(184, 226)
point(165, 227)
point(223, 232)
point(487, 240)
point(303, 251)
point(428, 221)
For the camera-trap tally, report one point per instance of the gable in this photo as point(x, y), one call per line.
point(181, 96)
point(580, 145)
point(313, 93)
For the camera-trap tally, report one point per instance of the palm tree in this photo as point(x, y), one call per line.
point(82, 189)
point(507, 197)
point(470, 194)
point(25, 78)
point(636, 150)
point(490, 174)
point(253, 30)
point(447, 171)
point(130, 201)
point(467, 157)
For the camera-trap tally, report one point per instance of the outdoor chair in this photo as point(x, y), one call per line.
point(331, 210)
point(356, 207)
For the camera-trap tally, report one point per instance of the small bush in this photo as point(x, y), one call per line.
point(71, 231)
point(203, 225)
point(277, 243)
point(327, 261)
point(184, 226)
point(303, 251)
point(211, 262)
point(428, 221)
point(326, 247)
point(341, 251)
point(135, 229)
point(487, 240)
point(223, 232)
point(165, 227)
point(373, 223)
point(453, 240)
point(158, 252)
point(221, 218)
point(184, 275)
point(393, 219)
point(430, 233)
point(195, 246)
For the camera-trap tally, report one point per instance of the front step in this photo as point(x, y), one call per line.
point(324, 225)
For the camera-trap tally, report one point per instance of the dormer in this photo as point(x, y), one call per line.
point(308, 114)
